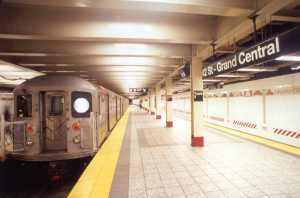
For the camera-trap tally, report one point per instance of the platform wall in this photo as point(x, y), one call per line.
point(268, 108)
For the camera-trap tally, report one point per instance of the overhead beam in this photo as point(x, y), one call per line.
point(97, 61)
point(286, 19)
point(103, 68)
point(91, 24)
point(233, 30)
point(105, 71)
point(203, 7)
point(45, 47)
point(113, 75)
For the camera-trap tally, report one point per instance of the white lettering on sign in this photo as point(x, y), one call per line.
point(259, 52)
point(223, 66)
point(252, 55)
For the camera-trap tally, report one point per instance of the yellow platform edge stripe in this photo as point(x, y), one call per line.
point(277, 145)
point(96, 180)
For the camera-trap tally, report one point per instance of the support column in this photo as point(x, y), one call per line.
point(152, 101)
point(227, 108)
point(197, 102)
point(169, 100)
point(143, 103)
point(158, 99)
point(264, 115)
point(147, 102)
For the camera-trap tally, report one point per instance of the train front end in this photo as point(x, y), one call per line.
point(54, 119)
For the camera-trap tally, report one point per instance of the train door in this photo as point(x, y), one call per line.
point(103, 117)
point(54, 121)
point(105, 112)
point(117, 109)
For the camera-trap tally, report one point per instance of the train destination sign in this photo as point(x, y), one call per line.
point(256, 54)
point(138, 90)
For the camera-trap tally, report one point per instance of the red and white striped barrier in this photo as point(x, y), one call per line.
point(244, 124)
point(284, 132)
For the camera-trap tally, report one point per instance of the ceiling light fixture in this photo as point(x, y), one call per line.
point(288, 58)
point(211, 80)
point(232, 76)
point(257, 69)
point(294, 68)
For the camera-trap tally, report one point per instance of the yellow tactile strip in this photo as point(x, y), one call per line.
point(97, 179)
point(280, 146)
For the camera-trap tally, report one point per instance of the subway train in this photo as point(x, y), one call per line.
point(58, 117)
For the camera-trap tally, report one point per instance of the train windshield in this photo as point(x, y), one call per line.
point(81, 104)
point(24, 106)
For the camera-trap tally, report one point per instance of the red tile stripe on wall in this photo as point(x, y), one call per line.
point(284, 132)
point(217, 118)
point(244, 124)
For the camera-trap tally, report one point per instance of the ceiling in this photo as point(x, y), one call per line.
point(124, 44)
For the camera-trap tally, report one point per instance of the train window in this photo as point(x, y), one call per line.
point(81, 104)
point(24, 106)
point(56, 106)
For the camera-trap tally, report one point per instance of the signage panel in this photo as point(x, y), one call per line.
point(198, 95)
point(253, 55)
point(138, 90)
point(270, 49)
point(169, 98)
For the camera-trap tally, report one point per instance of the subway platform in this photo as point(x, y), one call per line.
point(143, 159)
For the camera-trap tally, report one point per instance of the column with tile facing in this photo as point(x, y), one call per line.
point(157, 101)
point(169, 101)
point(197, 139)
point(152, 101)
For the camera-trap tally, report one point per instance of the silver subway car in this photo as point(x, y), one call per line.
point(62, 117)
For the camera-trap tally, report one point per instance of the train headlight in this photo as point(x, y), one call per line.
point(81, 105)
point(29, 141)
point(76, 139)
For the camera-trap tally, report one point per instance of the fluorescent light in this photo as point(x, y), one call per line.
point(62, 65)
point(294, 68)
point(288, 58)
point(211, 80)
point(21, 54)
point(232, 76)
point(14, 74)
point(257, 69)
point(65, 71)
point(33, 64)
point(9, 68)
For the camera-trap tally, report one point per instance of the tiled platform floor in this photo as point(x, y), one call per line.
point(161, 163)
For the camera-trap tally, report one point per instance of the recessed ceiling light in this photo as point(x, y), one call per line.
point(288, 58)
